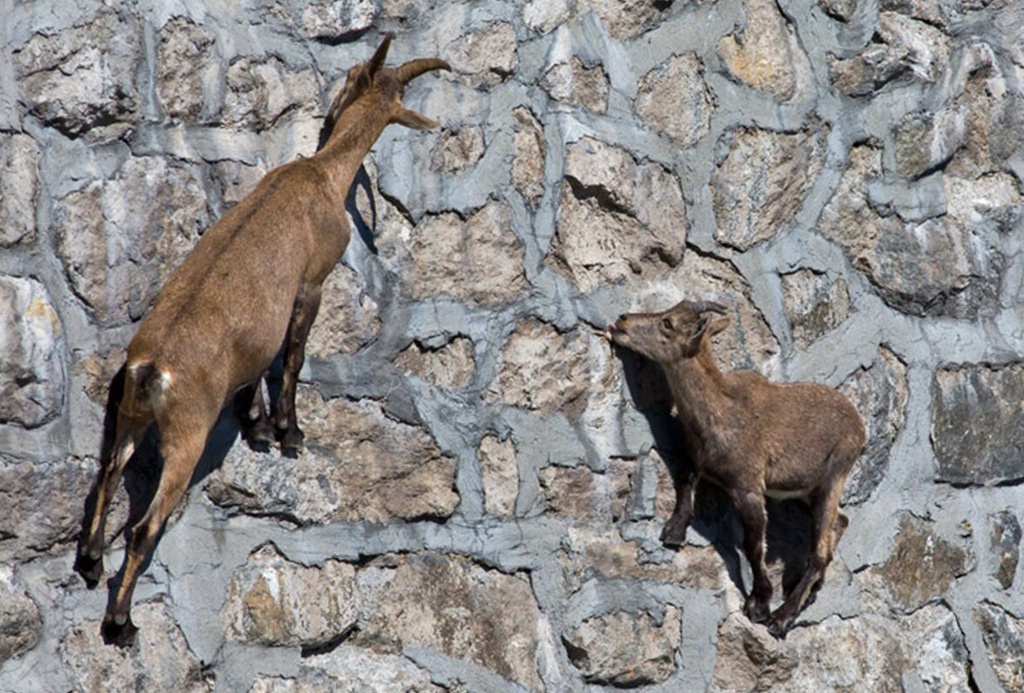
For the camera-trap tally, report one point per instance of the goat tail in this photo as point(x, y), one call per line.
point(145, 389)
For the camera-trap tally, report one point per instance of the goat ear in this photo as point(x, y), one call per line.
point(717, 326)
point(412, 119)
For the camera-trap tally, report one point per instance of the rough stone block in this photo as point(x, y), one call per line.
point(625, 649)
point(815, 304)
point(500, 472)
point(674, 99)
point(19, 189)
point(575, 83)
point(763, 54)
point(1005, 541)
point(348, 318)
point(20, 624)
point(450, 366)
point(186, 66)
point(1003, 634)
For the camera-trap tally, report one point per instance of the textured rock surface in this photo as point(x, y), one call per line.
point(484, 480)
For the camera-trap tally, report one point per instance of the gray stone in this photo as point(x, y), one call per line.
point(840, 9)
point(762, 55)
point(334, 21)
point(451, 366)
point(458, 150)
point(476, 259)
point(348, 319)
point(32, 377)
point(545, 15)
point(618, 220)
point(674, 99)
point(763, 181)
point(452, 605)
point(485, 57)
point(500, 471)
point(348, 669)
point(1005, 541)
point(83, 77)
point(581, 493)
point(358, 465)
point(575, 83)
point(186, 67)
point(625, 649)
point(159, 661)
point(925, 141)
point(974, 432)
point(120, 238)
point(20, 624)
point(528, 163)
point(19, 189)
point(815, 304)
point(880, 393)
point(260, 93)
point(626, 18)
point(272, 601)
point(1003, 634)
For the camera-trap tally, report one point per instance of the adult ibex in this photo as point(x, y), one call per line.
point(753, 438)
point(251, 284)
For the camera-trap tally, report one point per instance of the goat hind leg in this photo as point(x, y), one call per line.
point(754, 517)
point(306, 306)
point(824, 513)
point(674, 531)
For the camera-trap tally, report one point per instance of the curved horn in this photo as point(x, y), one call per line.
point(377, 61)
point(415, 68)
point(711, 307)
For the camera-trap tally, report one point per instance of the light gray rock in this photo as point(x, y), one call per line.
point(575, 83)
point(625, 649)
point(19, 189)
point(1003, 634)
point(20, 624)
point(815, 304)
point(675, 100)
point(186, 67)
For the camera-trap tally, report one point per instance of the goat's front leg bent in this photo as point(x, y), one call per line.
point(753, 516)
point(307, 303)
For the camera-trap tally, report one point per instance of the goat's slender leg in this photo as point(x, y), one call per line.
point(754, 517)
point(255, 416)
point(307, 303)
point(674, 531)
point(89, 560)
point(181, 453)
point(824, 511)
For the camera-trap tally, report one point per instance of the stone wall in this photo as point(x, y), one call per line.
point(479, 504)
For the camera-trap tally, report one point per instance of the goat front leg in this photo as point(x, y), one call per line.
point(754, 517)
point(824, 514)
point(674, 531)
point(307, 303)
point(254, 414)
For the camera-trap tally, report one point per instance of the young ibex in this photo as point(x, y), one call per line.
point(753, 438)
point(251, 284)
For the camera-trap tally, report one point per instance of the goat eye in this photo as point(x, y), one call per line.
point(666, 323)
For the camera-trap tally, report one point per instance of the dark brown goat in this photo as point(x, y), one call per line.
point(251, 284)
point(753, 438)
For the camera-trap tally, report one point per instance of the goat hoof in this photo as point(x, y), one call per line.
point(673, 536)
point(260, 435)
point(90, 569)
point(120, 635)
point(756, 612)
point(292, 441)
point(778, 628)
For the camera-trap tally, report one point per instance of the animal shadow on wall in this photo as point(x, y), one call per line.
point(142, 473)
point(789, 522)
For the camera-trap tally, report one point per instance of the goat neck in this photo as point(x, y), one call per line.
point(696, 379)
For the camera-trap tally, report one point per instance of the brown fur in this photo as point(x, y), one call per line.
point(753, 438)
point(251, 284)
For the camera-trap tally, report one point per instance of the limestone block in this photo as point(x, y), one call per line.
point(529, 159)
point(348, 669)
point(84, 76)
point(260, 93)
point(19, 189)
point(159, 661)
point(359, 465)
point(476, 259)
point(880, 393)
point(545, 15)
point(118, 239)
point(333, 21)
point(749, 659)
point(625, 19)
point(458, 150)
point(185, 69)
point(625, 649)
point(674, 99)
point(762, 182)
point(581, 493)
point(618, 220)
point(450, 366)
point(924, 141)
point(762, 55)
point(272, 601)
point(20, 624)
point(32, 372)
point(451, 604)
point(1003, 634)
point(575, 83)
point(1005, 542)
point(937, 267)
point(840, 9)
point(543, 370)
point(974, 432)
point(814, 303)
point(921, 567)
point(485, 57)
point(500, 472)
point(349, 318)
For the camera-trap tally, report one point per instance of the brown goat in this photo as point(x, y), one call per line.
point(251, 284)
point(753, 438)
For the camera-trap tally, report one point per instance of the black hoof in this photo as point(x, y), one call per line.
point(121, 636)
point(292, 442)
point(778, 629)
point(90, 569)
point(756, 612)
point(673, 536)
point(260, 436)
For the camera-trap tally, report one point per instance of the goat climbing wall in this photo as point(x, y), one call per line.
point(479, 505)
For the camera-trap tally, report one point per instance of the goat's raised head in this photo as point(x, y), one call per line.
point(670, 335)
point(381, 88)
